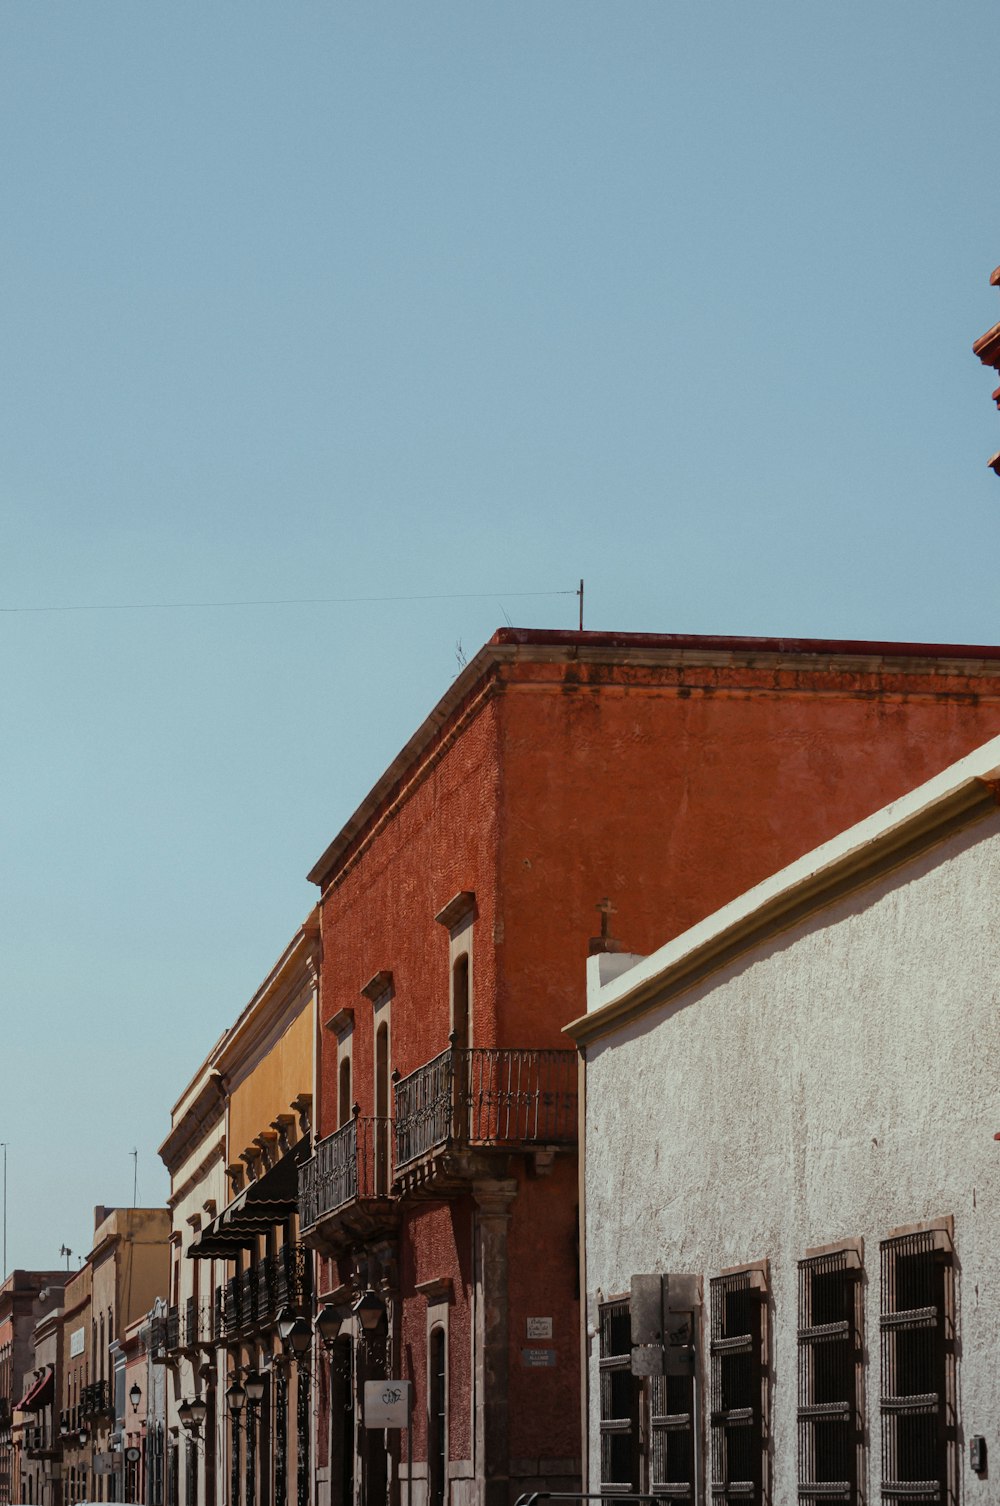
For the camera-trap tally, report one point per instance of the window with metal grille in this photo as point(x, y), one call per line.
point(918, 1408)
point(739, 1377)
point(671, 1437)
point(619, 1400)
point(831, 1318)
point(437, 1419)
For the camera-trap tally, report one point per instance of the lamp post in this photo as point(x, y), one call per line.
point(371, 1313)
point(296, 1335)
point(235, 1398)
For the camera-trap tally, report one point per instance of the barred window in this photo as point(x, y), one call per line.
point(919, 1424)
point(831, 1322)
point(671, 1437)
point(739, 1378)
point(619, 1400)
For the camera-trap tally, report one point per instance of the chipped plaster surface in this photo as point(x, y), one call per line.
point(835, 1082)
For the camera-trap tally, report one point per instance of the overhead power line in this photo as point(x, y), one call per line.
point(289, 601)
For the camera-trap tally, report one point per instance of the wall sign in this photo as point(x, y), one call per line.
point(76, 1342)
point(387, 1404)
point(536, 1359)
point(539, 1328)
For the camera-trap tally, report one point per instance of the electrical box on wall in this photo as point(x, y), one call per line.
point(977, 1454)
point(663, 1316)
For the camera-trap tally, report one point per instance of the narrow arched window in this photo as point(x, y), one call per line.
point(460, 1001)
point(382, 1110)
point(437, 1421)
point(344, 1093)
point(460, 1032)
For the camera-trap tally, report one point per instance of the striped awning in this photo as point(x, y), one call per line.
point(270, 1200)
point(39, 1394)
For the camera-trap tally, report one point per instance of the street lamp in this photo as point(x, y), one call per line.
point(235, 1398)
point(135, 1396)
point(197, 1410)
point(328, 1323)
point(256, 1385)
point(369, 1310)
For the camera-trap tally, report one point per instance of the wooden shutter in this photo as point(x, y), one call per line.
point(830, 1356)
point(917, 1336)
point(738, 1417)
point(619, 1400)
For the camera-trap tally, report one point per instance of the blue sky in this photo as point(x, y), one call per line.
point(342, 300)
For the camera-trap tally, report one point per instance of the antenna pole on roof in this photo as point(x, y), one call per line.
point(580, 594)
point(135, 1176)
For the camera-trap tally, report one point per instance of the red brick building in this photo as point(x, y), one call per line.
point(668, 774)
point(987, 348)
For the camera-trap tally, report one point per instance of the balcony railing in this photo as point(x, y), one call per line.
point(484, 1096)
point(248, 1302)
point(95, 1399)
point(351, 1163)
point(173, 1329)
point(292, 1280)
point(252, 1301)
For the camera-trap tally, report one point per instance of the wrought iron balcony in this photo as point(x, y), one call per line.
point(95, 1399)
point(292, 1282)
point(351, 1165)
point(486, 1096)
point(158, 1340)
point(231, 1307)
point(248, 1302)
point(173, 1328)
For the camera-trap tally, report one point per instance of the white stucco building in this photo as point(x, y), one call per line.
point(790, 1115)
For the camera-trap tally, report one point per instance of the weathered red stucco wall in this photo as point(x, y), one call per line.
point(668, 781)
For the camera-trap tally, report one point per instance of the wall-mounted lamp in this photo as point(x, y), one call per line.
point(285, 1322)
point(369, 1310)
point(235, 1397)
point(135, 1396)
point(328, 1323)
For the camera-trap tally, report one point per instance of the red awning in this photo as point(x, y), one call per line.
point(39, 1394)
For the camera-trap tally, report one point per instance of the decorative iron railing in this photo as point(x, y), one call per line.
point(248, 1301)
point(486, 1095)
point(265, 1288)
point(232, 1307)
point(292, 1277)
point(351, 1163)
point(95, 1399)
point(173, 1328)
point(191, 1334)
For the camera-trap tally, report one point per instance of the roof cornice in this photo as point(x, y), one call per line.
point(465, 696)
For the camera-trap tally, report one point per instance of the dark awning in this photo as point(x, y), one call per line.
point(270, 1200)
point(39, 1394)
